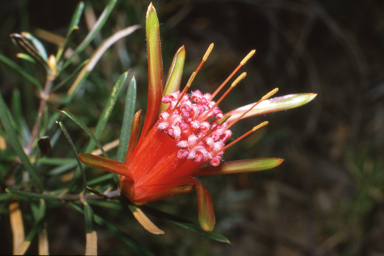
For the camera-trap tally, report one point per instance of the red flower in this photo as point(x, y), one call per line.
point(175, 144)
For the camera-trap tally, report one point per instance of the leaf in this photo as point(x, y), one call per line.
point(22, 71)
point(91, 236)
point(273, 105)
point(91, 35)
point(129, 111)
point(85, 128)
point(100, 179)
point(26, 57)
point(239, 166)
point(95, 58)
point(17, 225)
point(139, 249)
point(43, 242)
point(107, 110)
point(37, 44)
point(31, 194)
point(73, 26)
point(77, 174)
point(5, 118)
point(144, 221)
point(69, 77)
point(27, 45)
point(155, 69)
point(184, 224)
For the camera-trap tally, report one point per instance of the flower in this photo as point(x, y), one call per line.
point(182, 133)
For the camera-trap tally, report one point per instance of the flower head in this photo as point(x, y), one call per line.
point(183, 132)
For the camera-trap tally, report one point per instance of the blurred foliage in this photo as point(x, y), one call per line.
point(327, 197)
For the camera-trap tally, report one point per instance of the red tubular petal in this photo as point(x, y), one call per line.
point(105, 164)
point(135, 131)
point(206, 211)
point(155, 69)
point(176, 191)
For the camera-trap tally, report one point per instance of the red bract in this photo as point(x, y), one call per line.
point(189, 132)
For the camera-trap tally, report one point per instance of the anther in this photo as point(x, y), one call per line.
point(242, 63)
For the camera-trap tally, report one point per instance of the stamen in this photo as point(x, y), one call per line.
point(265, 97)
point(242, 63)
point(205, 57)
point(241, 77)
point(244, 135)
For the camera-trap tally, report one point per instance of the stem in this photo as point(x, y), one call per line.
point(43, 102)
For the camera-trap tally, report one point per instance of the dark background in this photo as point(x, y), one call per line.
point(325, 199)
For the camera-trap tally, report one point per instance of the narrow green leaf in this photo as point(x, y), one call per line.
point(85, 128)
point(100, 179)
point(37, 44)
point(67, 78)
point(88, 214)
point(139, 249)
point(129, 111)
point(16, 108)
point(95, 58)
point(27, 45)
point(26, 57)
point(56, 161)
point(88, 39)
point(185, 224)
point(13, 139)
point(73, 25)
point(61, 169)
point(22, 71)
point(31, 194)
point(107, 110)
point(77, 173)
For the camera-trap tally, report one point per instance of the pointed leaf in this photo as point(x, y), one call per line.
point(22, 71)
point(43, 242)
point(91, 236)
point(273, 105)
point(249, 165)
point(129, 111)
point(135, 132)
point(69, 77)
point(5, 117)
point(144, 221)
point(88, 39)
point(184, 224)
point(107, 110)
point(80, 171)
point(26, 57)
point(206, 211)
point(85, 128)
point(37, 44)
point(17, 225)
point(73, 26)
point(105, 164)
point(155, 69)
point(174, 76)
point(95, 58)
point(139, 249)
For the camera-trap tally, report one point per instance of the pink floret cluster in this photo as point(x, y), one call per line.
point(188, 122)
